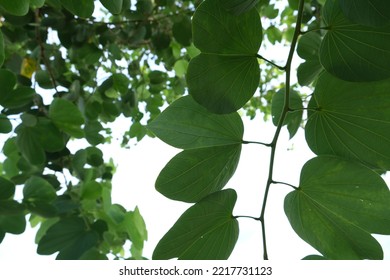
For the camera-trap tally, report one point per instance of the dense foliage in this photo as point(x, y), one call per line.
point(71, 68)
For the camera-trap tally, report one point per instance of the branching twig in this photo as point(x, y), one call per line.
point(287, 68)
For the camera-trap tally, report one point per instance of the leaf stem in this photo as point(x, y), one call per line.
point(244, 216)
point(283, 183)
point(270, 62)
point(287, 69)
point(256, 142)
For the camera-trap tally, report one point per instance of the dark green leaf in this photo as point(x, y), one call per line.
point(11, 207)
point(337, 206)
point(2, 55)
point(293, 118)
point(196, 127)
point(182, 31)
point(194, 174)
point(216, 31)
point(5, 124)
point(18, 97)
point(351, 51)
point(7, 83)
point(67, 117)
point(15, 224)
point(36, 3)
point(37, 188)
point(42, 208)
point(206, 231)
point(29, 144)
point(51, 139)
point(94, 156)
point(16, 8)
point(67, 233)
point(351, 120)
point(314, 258)
point(238, 7)
point(223, 84)
point(2, 235)
point(7, 189)
point(308, 71)
point(114, 6)
point(82, 244)
point(367, 12)
point(309, 45)
point(81, 8)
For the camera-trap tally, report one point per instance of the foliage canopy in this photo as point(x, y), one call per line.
point(71, 68)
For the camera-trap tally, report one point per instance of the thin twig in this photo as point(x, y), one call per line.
point(270, 62)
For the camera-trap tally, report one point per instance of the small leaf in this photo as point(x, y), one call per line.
point(81, 8)
point(350, 120)
point(5, 124)
point(223, 84)
point(114, 6)
point(67, 117)
point(351, 51)
point(18, 97)
point(37, 188)
point(206, 231)
point(194, 174)
point(7, 189)
point(16, 8)
point(182, 31)
point(293, 118)
point(367, 12)
point(135, 227)
point(314, 258)
point(28, 142)
point(15, 224)
point(7, 83)
point(196, 127)
point(337, 206)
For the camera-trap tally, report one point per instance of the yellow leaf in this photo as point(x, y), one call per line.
point(29, 66)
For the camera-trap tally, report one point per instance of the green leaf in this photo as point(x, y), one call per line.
point(308, 72)
point(216, 31)
point(314, 258)
point(91, 190)
point(5, 124)
point(11, 208)
point(15, 224)
point(7, 83)
point(135, 227)
point(16, 8)
point(51, 139)
point(293, 118)
point(351, 120)
point(7, 189)
point(194, 174)
point(67, 117)
point(337, 206)
point(120, 83)
point(114, 6)
point(223, 84)
point(182, 31)
point(70, 237)
point(238, 7)
point(196, 127)
point(367, 12)
point(18, 97)
point(351, 51)
point(2, 54)
point(205, 231)
point(28, 142)
point(37, 188)
point(36, 3)
point(81, 8)
point(180, 67)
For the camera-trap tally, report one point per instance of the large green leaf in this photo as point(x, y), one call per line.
point(70, 237)
point(226, 75)
point(193, 174)
point(114, 6)
point(206, 231)
point(294, 117)
point(351, 120)
point(223, 84)
point(367, 12)
point(16, 8)
point(187, 125)
point(81, 8)
point(216, 31)
point(67, 117)
point(7, 188)
point(351, 51)
point(238, 7)
point(37, 188)
point(337, 206)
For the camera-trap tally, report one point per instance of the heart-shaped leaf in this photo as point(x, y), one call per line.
point(351, 120)
point(196, 127)
point(337, 206)
point(193, 174)
point(351, 51)
point(206, 231)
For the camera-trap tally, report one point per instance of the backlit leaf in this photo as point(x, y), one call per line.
point(351, 51)
point(193, 174)
point(196, 127)
point(367, 12)
point(206, 231)
point(337, 207)
point(351, 120)
point(238, 7)
point(223, 84)
point(37, 188)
